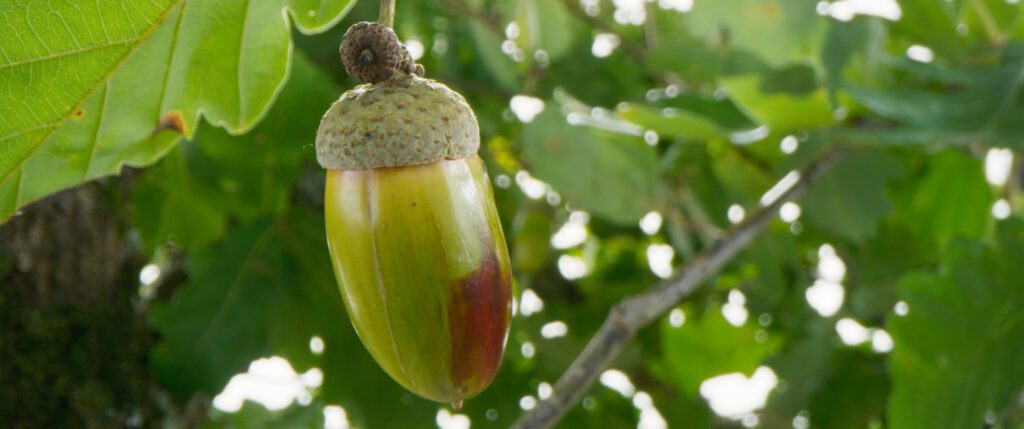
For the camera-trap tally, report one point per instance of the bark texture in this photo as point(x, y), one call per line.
point(73, 347)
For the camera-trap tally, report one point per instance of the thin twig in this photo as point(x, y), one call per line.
point(635, 312)
point(387, 13)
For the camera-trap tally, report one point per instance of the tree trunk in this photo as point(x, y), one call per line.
point(73, 346)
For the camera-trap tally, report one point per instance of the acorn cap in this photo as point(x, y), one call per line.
point(405, 120)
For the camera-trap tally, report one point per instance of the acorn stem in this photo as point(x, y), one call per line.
point(387, 13)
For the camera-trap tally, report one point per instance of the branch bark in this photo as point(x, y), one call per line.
point(633, 313)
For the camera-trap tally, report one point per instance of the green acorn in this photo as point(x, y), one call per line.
point(414, 235)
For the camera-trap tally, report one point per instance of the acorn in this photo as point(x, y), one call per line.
point(413, 232)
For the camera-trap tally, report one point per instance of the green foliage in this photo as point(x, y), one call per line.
point(962, 334)
point(685, 117)
point(102, 89)
point(710, 346)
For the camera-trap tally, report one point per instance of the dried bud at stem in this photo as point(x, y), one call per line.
point(372, 53)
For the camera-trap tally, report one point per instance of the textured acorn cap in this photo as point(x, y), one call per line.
point(405, 120)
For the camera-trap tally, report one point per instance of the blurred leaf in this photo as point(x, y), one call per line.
point(929, 23)
point(673, 123)
point(190, 195)
point(267, 290)
point(853, 395)
point(531, 237)
point(958, 349)
point(255, 416)
point(977, 104)
point(778, 31)
point(488, 47)
point(780, 111)
point(543, 25)
point(952, 199)
point(141, 75)
point(611, 175)
point(852, 198)
point(248, 298)
point(709, 346)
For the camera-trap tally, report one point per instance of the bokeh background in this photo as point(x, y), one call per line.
point(622, 137)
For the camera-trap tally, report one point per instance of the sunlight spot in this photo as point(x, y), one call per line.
point(316, 345)
point(527, 402)
point(650, 224)
point(571, 234)
point(901, 308)
point(659, 257)
point(618, 381)
point(533, 188)
point(415, 48)
point(734, 310)
point(845, 10)
point(650, 418)
point(676, 317)
point(851, 332)
point(830, 266)
point(528, 350)
point(677, 5)
point(149, 274)
point(335, 417)
point(651, 138)
point(271, 382)
point(749, 136)
point(789, 212)
point(630, 11)
point(920, 54)
point(998, 165)
point(526, 108)
point(1001, 209)
point(572, 267)
point(512, 30)
point(604, 44)
point(736, 214)
point(881, 341)
point(735, 396)
point(544, 391)
point(447, 420)
point(554, 329)
point(789, 144)
point(530, 303)
point(825, 297)
point(503, 181)
point(780, 188)
point(801, 421)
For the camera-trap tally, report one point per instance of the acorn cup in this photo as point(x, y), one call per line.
point(414, 236)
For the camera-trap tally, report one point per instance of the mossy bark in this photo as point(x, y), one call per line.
point(73, 347)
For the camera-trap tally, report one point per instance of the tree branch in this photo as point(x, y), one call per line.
point(635, 312)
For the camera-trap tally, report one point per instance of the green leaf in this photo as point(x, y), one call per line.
point(141, 76)
point(953, 199)
point(958, 350)
point(850, 200)
point(189, 196)
point(709, 346)
point(674, 123)
point(543, 25)
point(610, 174)
point(262, 292)
point(780, 111)
point(780, 32)
point(854, 393)
point(954, 105)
